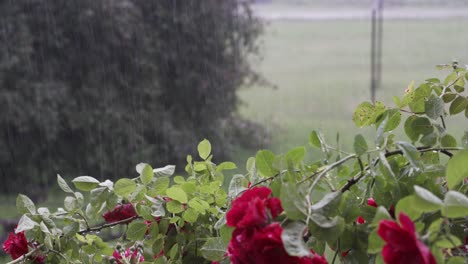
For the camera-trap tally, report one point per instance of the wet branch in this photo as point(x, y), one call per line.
point(355, 179)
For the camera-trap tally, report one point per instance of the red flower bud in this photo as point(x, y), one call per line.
point(371, 202)
point(360, 220)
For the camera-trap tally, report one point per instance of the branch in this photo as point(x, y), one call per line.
point(361, 174)
point(99, 228)
point(411, 112)
point(327, 169)
point(450, 84)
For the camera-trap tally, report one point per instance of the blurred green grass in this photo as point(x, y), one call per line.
point(322, 72)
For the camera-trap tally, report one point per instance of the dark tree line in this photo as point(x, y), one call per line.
point(93, 87)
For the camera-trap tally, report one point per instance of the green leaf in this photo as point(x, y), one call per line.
point(464, 140)
point(293, 241)
point(314, 139)
point(204, 149)
point(325, 228)
point(165, 171)
point(426, 201)
point(71, 229)
point(360, 144)
point(455, 205)
point(458, 105)
point(199, 205)
point(328, 205)
point(25, 205)
point(174, 207)
point(394, 119)
point(450, 78)
point(380, 130)
point(24, 224)
point(264, 163)
point(448, 141)
point(429, 139)
point(177, 194)
point(292, 199)
point(190, 215)
point(179, 179)
point(434, 107)
point(449, 241)
point(227, 165)
point(124, 187)
point(375, 243)
point(407, 206)
point(419, 99)
point(160, 185)
point(214, 249)
point(63, 184)
point(146, 173)
point(457, 170)
point(448, 97)
point(70, 203)
point(410, 153)
point(366, 113)
point(296, 155)
point(380, 215)
point(85, 183)
point(136, 230)
point(189, 187)
point(226, 233)
point(456, 260)
point(238, 184)
point(416, 126)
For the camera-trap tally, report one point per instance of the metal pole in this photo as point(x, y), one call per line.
point(376, 47)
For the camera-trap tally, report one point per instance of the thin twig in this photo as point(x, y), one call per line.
point(452, 83)
point(411, 112)
point(99, 228)
point(443, 122)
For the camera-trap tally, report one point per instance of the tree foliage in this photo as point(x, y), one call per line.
point(99, 85)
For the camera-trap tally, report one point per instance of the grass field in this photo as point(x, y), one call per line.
point(321, 70)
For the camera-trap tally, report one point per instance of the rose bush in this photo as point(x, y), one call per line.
point(392, 199)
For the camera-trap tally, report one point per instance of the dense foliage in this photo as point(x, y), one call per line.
point(390, 201)
point(101, 85)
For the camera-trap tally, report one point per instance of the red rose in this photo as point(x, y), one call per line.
point(119, 213)
point(16, 245)
point(371, 202)
point(360, 220)
point(252, 207)
point(402, 244)
point(264, 245)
